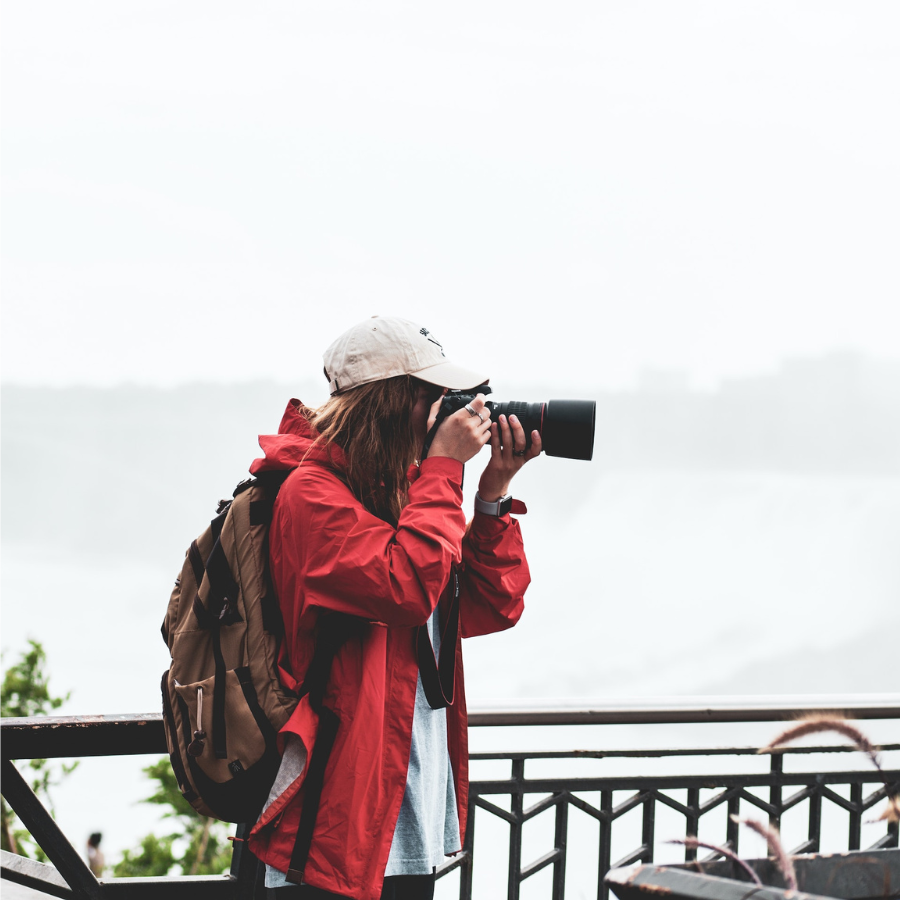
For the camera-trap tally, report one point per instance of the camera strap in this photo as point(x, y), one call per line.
point(439, 678)
point(432, 431)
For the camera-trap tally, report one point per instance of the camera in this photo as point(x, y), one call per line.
point(566, 427)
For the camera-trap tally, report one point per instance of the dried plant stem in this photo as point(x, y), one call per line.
point(693, 843)
point(891, 812)
point(776, 848)
point(820, 723)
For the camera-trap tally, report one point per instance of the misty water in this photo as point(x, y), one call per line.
point(650, 580)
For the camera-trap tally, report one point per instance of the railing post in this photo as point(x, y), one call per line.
point(815, 818)
point(515, 829)
point(893, 830)
point(561, 839)
point(856, 798)
point(692, 821)
point(648, 827)
point(776, 768)
point(733, 829)
point(247, 871)
point(606, 798)
point(466, 870)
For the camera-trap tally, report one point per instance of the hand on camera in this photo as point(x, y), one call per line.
point(463, 434)
point(506, 437)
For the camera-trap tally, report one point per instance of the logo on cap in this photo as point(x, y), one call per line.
point(427, 334)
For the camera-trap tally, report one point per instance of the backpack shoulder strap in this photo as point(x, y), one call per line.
point(334, 629)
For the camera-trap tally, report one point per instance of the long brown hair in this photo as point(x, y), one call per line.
point(372, 424)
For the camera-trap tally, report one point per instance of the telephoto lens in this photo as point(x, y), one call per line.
point(566, 427)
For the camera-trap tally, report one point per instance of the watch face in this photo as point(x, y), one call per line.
point(505, 505)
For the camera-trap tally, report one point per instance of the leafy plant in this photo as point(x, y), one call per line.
point(206, 850)
point(26, 692)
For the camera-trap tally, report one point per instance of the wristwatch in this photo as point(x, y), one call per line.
point(498, 508)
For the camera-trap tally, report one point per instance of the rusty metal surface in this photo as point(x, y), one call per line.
point(662, 883)
point(115, 735)
point(862, 875)
point(853, 875)
point(49, 737)
point(33, 875)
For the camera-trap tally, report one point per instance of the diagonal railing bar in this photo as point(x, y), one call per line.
point(627, 805)
point(672, 803)
point(880, 794)
point(48, 835)
point(838, 800)
point(546, 803)
point(718, 799)
point(633, 857)
point(796, 798)
point(487, 806)
point(455, 862)
point(770, 808)
point(715, 855)
point(889, 840)
point(586, 807)
point(540, 863)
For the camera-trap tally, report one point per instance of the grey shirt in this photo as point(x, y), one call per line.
point(428, 824)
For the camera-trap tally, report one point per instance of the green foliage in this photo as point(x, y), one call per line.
point(195, 846)
point(207, 850)
point(26, 692)
point(155, 857)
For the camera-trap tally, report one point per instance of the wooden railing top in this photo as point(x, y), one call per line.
point(136, 733)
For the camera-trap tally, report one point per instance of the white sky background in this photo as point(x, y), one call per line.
point(199, 190)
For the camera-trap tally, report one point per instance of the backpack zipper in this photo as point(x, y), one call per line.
point(195, 748)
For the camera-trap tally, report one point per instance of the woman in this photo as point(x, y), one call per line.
point(360, 528)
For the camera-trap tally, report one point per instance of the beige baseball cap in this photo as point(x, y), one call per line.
point(384, 347)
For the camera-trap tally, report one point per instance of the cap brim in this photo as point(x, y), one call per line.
point(450, 376)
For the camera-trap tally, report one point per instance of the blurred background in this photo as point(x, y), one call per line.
point(687, 212)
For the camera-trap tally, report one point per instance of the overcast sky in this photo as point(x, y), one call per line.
point(197, 190)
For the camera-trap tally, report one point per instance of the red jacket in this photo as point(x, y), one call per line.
point(328, 553)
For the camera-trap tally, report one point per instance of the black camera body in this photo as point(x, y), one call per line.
point(566, 427)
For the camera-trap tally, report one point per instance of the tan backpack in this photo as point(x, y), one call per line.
point(223, 703)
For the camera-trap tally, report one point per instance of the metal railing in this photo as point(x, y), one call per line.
point(606, 799)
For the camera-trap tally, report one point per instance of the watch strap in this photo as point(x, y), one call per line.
point(495, 508)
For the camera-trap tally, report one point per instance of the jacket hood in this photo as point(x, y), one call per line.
point(294, 444)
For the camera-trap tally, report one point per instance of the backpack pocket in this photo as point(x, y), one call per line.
point(176, 746)
point(232, 754)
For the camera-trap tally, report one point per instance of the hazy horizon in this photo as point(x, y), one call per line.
point(585, 189)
